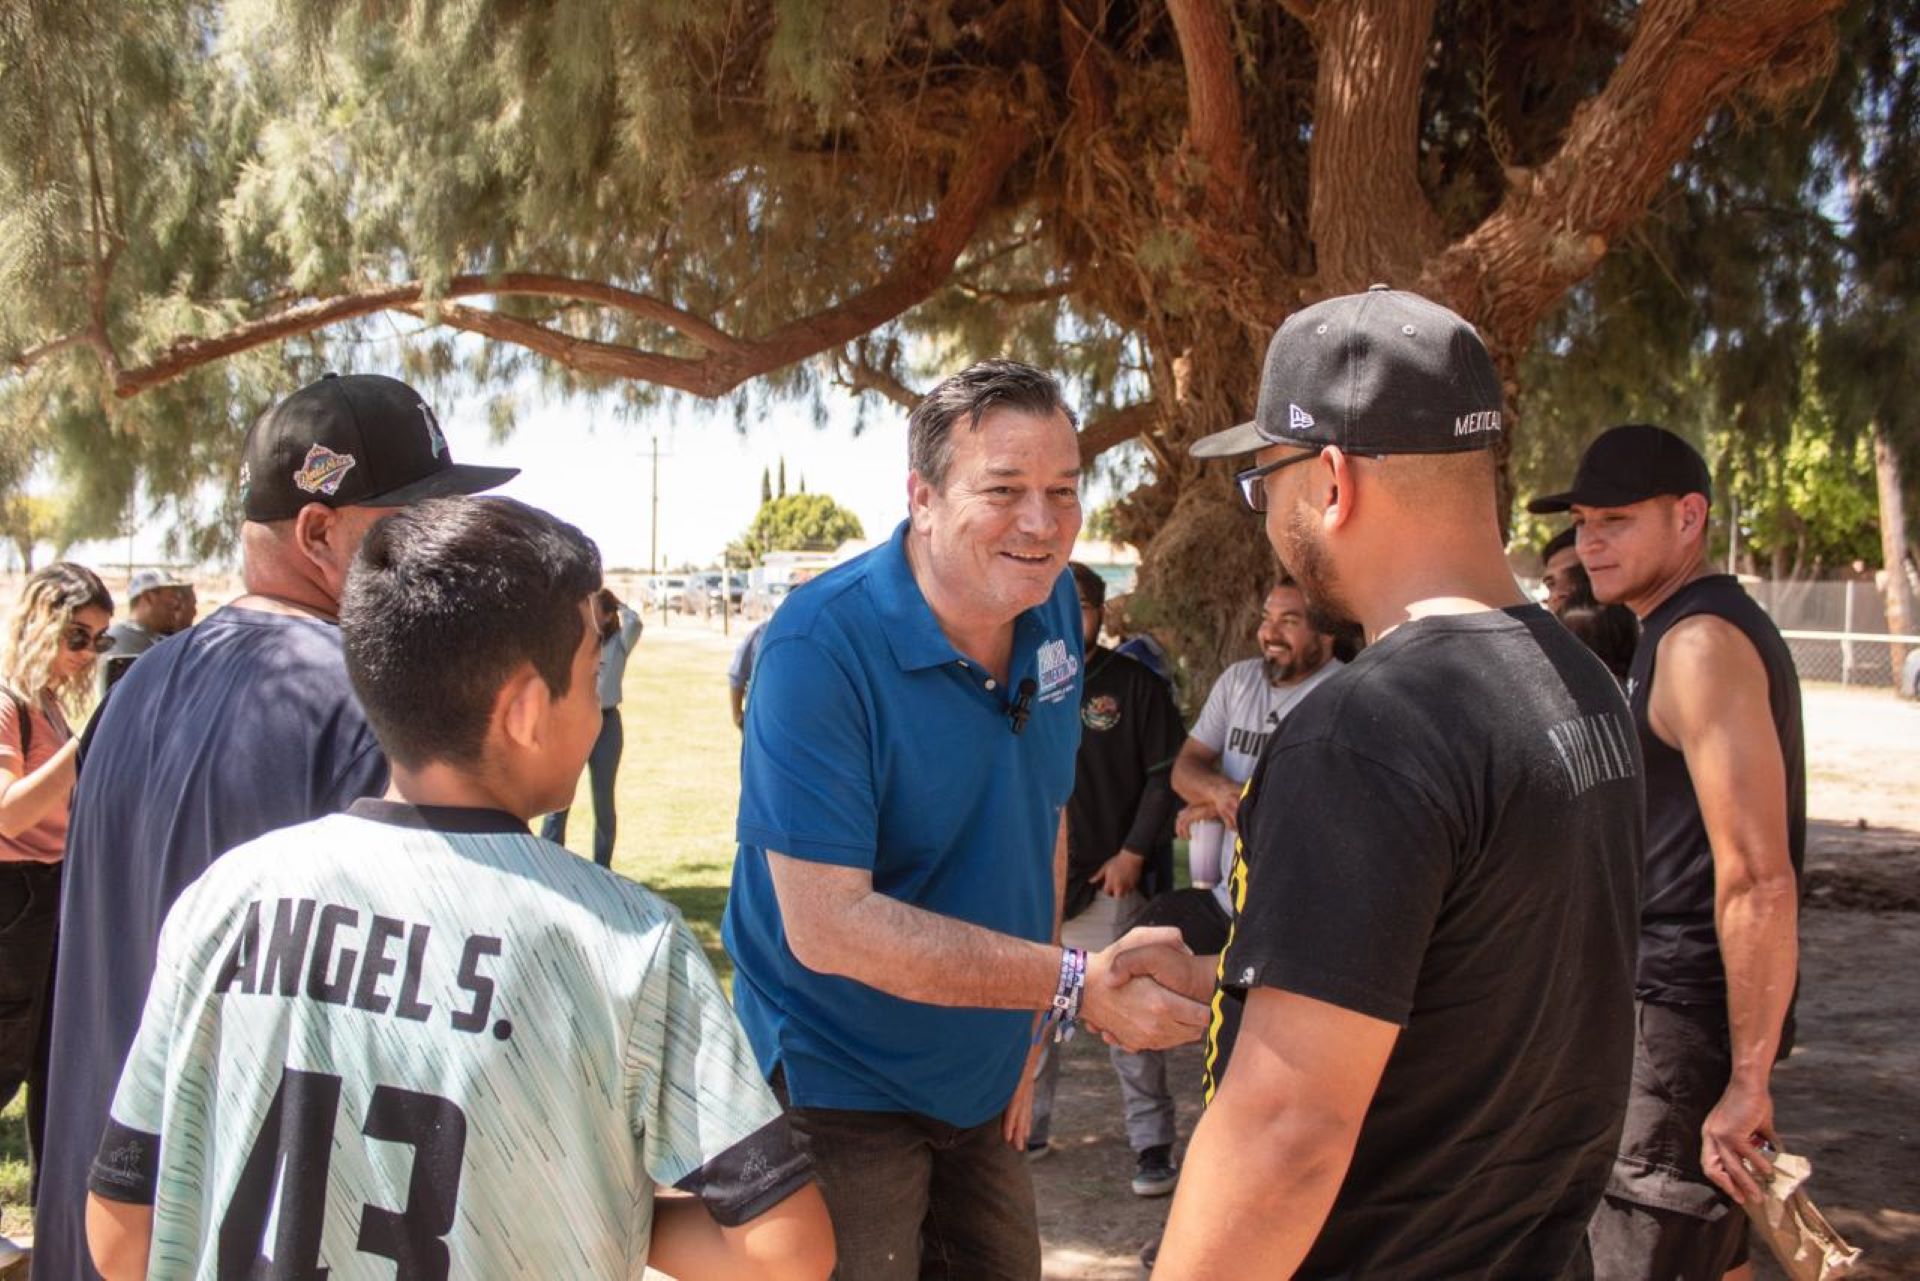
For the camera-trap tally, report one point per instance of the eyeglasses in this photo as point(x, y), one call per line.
point(77, 638)
point(1253, 481)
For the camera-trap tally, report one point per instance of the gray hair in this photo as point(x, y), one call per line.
point(989, 385)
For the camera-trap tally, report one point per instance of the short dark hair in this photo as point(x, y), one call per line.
point(969, 394)
point(446, 600)
point(1093, 588)
point(1560, 542)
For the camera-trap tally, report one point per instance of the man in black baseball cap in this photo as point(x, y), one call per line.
point(352, 440)
point(244, 724)
point(1423, 1027)
point(1716, 710)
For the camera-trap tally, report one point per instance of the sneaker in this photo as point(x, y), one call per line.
point(1038, 1148)
point(1154, 1173)
point(1150, 1254)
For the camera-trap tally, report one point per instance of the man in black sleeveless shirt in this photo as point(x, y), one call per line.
point(1716, 702)
point(1421, 1043)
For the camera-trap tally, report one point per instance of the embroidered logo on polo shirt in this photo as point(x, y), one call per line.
point(1102, 712)
point(323, 471)
point(1057, 670)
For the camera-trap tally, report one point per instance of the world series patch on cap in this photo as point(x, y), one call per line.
point(1381, 372)
point(352, 440)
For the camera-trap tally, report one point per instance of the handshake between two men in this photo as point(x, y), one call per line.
point(1147, 990)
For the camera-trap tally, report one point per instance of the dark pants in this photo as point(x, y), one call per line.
point(1662, 1219)
point(915, 1198)
point(603, 765)
point(29, 918)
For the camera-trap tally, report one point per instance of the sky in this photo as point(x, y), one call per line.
point(582, 462)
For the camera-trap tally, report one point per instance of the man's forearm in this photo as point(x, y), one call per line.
point(1758, 927)
point(1246, 1158)
point(1190, 779)
point(919, 955)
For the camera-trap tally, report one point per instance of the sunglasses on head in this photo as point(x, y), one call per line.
point(77, 638)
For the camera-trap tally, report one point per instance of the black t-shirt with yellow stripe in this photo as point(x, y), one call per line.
point(1447, 837)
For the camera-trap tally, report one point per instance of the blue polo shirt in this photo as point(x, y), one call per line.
point(872, 743)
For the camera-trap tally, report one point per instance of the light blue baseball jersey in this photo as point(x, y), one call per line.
point(421, 1042)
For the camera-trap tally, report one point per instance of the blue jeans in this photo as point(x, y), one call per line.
point(603, 765)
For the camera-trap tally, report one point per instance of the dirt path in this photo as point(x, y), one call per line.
point(1849, 1097)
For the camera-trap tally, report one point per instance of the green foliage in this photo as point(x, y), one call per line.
point(1099, 523)
point(1807, 504)
point(169, 168)
point(797, 522)
point(1766, 309)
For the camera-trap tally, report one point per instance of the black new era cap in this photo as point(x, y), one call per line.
point(1630, 464)
point(352, 440)
point(1383, 372)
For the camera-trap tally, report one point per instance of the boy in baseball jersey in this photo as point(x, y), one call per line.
point(414, 1040)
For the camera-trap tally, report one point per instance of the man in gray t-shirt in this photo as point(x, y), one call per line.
point(1242, 710)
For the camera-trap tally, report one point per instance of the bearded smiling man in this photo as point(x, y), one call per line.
point(1424, 1024)
point(909, 751)
point(1243, 709)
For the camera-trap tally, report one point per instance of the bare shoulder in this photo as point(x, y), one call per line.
point(1707, 650)
point(1707, 673)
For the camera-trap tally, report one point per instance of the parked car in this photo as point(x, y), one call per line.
point(667, 590)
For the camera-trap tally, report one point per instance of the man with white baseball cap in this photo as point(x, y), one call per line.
point(160, 603)
point(1424, 1019)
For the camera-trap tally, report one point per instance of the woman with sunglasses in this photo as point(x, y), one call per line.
point(57, 630)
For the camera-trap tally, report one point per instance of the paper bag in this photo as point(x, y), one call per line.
point(1798, 1234)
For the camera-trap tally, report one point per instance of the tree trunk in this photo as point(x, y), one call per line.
point(1893, 542)
point(1205, 561)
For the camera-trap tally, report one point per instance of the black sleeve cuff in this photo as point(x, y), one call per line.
point(1153, 820)
point(752, 1176)
point(127, 1166)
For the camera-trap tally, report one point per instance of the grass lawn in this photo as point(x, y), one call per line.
point(679, 777)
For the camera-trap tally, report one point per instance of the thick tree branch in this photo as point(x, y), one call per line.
point(1368, 217)
point(856, 375)
point(1098, 435)
point(924, 265)
point(1214, 121)
point(1688, 59)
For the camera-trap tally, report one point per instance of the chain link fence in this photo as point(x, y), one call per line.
point(1837, 631)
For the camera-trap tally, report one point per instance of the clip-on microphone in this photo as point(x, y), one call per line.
point(1022, 705)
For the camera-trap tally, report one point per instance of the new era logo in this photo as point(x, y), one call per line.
point(1298, 419)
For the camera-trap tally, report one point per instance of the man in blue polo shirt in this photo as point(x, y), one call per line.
point(909, 752)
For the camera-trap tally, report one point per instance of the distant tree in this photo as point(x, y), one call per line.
point(29, 520)
point(766, 486)
point(802, 523)
point(1102, 523)
point(782, 491)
